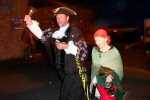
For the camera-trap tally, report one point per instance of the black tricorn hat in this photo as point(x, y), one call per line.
point(64, 10)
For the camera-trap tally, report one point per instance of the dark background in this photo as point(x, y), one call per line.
point(108, 12)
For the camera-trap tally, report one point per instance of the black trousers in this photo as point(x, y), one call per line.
point(72, 88)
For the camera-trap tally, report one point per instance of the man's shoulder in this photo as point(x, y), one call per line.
point(74, 28)
point(74, 31)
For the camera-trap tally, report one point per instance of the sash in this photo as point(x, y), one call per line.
point(84, 79)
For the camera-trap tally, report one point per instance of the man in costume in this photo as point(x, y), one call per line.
point(70, 48)
point(107, 69)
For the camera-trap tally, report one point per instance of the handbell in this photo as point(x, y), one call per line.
point(32, 11)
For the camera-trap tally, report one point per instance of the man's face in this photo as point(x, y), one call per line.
point(100, 41)
point(62, 19)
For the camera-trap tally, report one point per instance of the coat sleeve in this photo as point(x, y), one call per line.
point(82, 52)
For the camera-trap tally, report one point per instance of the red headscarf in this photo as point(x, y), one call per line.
point(102, 33)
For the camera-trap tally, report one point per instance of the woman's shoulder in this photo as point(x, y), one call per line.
point(95, 48)
point(114, 50)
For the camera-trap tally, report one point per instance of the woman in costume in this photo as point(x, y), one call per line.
point(107, 69)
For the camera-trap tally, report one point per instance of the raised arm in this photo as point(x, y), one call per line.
point(33, 26)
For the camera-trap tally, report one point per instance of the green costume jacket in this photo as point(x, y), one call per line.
point(110, 59)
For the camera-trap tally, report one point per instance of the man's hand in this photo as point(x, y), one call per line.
point(28, 20)
point(61, 45)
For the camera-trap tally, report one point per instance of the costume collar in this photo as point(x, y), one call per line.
point(61, 32)
point(97, 48)
point(65, 27)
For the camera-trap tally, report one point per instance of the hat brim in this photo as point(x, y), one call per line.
point(64, 10)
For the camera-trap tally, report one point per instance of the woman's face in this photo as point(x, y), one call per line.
point(62, 19)
point(100, 41)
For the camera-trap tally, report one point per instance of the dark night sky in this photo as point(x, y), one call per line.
point(132, 12)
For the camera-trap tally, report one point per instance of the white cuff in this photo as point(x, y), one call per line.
point(35, 29)
point(72, 49)
point(94, 80)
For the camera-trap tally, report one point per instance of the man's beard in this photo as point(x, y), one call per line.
point(60, 25)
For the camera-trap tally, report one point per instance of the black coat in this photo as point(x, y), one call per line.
point(65, 63)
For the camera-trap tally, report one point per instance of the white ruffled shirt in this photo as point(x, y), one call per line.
point(35, 29)
point(61, 32)
point(72, 49)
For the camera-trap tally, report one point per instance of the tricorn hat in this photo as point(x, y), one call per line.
point(64, 10)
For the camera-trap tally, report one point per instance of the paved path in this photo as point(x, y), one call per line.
point(36, 80)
